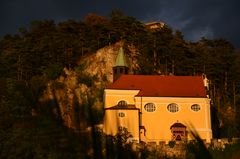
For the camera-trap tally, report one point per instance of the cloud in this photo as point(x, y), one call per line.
point(209, 18)
point(195, 18)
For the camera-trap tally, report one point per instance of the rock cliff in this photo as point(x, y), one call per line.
point(78, 93)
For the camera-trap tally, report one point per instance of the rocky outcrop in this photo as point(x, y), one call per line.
point(78, 93)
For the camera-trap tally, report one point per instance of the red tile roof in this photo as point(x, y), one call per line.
point(162, 86)
point(123, 107)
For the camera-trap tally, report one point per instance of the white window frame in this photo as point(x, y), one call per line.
point(150, 107)
point(196, 108)
point(173, 108)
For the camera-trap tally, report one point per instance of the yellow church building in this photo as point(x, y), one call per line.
point(156, 108)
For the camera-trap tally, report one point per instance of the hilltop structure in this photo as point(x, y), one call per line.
point(154, 25)
point(156, 108)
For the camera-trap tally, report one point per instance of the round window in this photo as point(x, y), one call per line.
point(195, 107)
point(173, 107)
point(121, 114)
point(150, 107)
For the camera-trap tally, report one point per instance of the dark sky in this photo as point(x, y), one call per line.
point(195, 18)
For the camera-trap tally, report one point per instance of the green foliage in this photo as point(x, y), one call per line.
point(197, 149)
point(80, 68)
point(53, 71)
point(230, 150)
point(122, 136)
point(104, 78)
point(171, 144)
point(37, 85)
point(57, 85)
point(39, 54)
point(100, 93)
point(118, 146)
point(40, 137)
point(86, 79)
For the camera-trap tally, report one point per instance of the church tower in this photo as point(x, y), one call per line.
point(120, 67)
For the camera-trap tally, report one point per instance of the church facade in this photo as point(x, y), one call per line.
point(156, 108)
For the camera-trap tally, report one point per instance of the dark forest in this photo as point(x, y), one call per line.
point(38, 54)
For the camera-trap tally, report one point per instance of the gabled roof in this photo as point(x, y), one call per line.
point(162, 86)
point(123, 107)
point(120, 60)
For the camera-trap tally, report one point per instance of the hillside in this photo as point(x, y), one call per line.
point(83, 83)
point(53, 76)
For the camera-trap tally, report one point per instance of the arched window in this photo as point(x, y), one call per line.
point(195, 107)
point(173, 107)
point(150, 107)
point(121, 70)
point(122, 103)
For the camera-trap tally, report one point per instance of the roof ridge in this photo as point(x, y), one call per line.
point(162, 86)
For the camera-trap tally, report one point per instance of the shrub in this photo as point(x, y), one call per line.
point(171, 144)
point(86, 79)
point(80, 67)
point(58, 85)
point(53, 71)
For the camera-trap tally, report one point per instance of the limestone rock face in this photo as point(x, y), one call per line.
point(101, 63)
point(78, 93)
